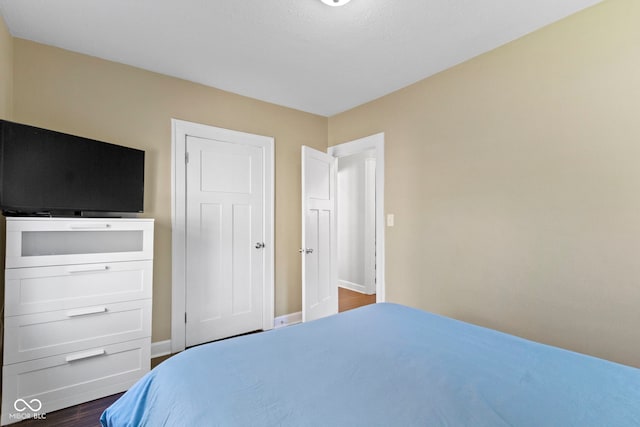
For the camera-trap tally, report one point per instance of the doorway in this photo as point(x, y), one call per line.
point(356, 231)
point(222, 233)
point(373, 146)
point(326, 279)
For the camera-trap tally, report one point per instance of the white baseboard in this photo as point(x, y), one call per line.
point(287, 320)
point(160, 348)
point(356, 287)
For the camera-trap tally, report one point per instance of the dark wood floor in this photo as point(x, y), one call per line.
point(88, 414)
point(348, 299)
point(85, 415)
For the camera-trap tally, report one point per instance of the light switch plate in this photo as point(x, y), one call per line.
point(390, 220)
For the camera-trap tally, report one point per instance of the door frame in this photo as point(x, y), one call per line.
point(180, 129)
point(375, 142)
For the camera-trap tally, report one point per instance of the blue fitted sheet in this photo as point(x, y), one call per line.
point(381, 365)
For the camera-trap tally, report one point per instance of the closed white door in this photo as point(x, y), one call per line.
point(224, 239)
point(319, 266)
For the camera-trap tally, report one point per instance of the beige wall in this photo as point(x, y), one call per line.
point(6, 71)
point(515, 183)
point(107, 101)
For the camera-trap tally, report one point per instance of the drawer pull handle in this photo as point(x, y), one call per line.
point(85, 355)
point(87, 270)
point(86, 311)
point(90, 227)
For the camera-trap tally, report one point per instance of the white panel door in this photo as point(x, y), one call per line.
point(224, 239)
point(319, 266)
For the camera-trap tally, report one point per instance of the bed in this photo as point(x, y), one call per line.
point(381, 365)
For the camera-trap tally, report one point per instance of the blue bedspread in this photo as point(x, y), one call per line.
point(381, 365)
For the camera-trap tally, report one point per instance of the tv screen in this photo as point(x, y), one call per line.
point(43, 172)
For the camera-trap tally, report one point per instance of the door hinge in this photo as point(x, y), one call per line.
point(185, 317)
point(186, 157)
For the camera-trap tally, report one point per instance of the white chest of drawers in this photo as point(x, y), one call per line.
point(77, 322)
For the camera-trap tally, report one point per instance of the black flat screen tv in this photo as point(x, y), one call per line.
point(43, 172)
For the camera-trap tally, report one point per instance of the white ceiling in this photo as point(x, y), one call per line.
point(296, 53)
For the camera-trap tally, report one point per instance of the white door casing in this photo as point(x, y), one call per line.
point(182, 132)
point(224, 239)
point(376, 143)
point(319, 232)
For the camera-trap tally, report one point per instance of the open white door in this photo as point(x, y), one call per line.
point(319, 235)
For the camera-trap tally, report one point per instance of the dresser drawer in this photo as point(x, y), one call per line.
point(34, 242)
point(38, 289)
point(33, 336)
point(68, 379)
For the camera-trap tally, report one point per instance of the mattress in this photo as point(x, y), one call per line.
point(381, 365)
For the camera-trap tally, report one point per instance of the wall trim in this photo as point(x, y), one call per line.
point(355, 287)
point(180, 129)
point(160, 348)
point(373, 142)
point(288, 320)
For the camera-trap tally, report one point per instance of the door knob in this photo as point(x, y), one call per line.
point(305, 251)
point(259, 245)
